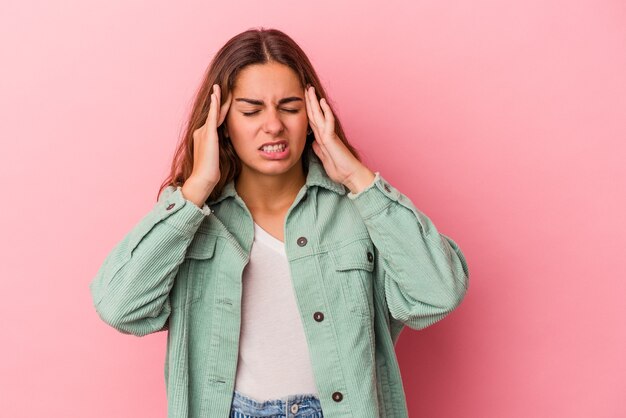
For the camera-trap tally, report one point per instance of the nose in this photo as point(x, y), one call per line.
point(273, 124)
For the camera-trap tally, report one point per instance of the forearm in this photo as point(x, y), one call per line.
point(423, 272)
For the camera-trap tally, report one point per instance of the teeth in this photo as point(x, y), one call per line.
point(274, 148)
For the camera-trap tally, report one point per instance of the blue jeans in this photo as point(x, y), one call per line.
point(300, 406)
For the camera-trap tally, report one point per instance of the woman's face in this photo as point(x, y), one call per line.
point(267, 107)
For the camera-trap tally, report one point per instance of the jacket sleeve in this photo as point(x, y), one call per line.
point(130, 291)
point(425, 274)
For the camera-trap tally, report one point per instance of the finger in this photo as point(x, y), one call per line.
point(307, 102)
point(315, 108)
point(331, 145)
point(211, 117)
point(312, 104)
point(328, 116)
point(218, 101)
point(321, 148)
point(324, 148)
point(208, 116)
point(225, 107)
point(318, 151)
point(322, 152)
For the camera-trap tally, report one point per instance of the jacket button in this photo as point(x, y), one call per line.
point(387, 188)
point(370, 257)
point(302, 241)
point(170, 206)
point(337, 396)
point(318, 316)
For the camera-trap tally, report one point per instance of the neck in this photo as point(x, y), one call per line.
point(270, 192)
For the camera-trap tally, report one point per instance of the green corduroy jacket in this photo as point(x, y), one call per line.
point(362, 265)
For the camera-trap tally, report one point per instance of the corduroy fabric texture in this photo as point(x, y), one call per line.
point(363, 267)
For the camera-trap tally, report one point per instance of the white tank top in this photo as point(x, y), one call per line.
point(273, 354)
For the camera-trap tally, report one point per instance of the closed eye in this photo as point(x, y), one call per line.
point(256, 111)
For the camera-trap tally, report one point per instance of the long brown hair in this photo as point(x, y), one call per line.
point(254, 46)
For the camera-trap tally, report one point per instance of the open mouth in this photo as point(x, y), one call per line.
point(273, 148)
point(277, 151)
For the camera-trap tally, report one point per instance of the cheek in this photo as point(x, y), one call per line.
point(241, 126)
point(241, 150)
point(299, 123)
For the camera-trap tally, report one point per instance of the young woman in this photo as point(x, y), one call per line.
point(282, 268)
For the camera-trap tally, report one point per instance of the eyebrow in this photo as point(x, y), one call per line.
point(261, 102)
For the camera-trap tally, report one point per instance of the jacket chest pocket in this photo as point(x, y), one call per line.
point(195, 272)
point(353, 264)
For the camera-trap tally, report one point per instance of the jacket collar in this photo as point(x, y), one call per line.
point(316, 176)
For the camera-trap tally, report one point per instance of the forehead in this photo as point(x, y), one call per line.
point(271, 80)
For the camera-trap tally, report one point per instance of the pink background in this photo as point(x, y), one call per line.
point(504, 122)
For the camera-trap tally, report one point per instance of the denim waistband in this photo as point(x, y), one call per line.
point(299, 405)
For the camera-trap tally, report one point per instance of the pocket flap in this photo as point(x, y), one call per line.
point(358, 254)
point(202, 246)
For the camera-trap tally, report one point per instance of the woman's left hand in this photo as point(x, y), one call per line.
point(339, 163)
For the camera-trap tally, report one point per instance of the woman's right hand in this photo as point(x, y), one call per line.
point(206, 170)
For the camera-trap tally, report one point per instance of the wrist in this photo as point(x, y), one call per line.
point(360, 179)
point(196, 191)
